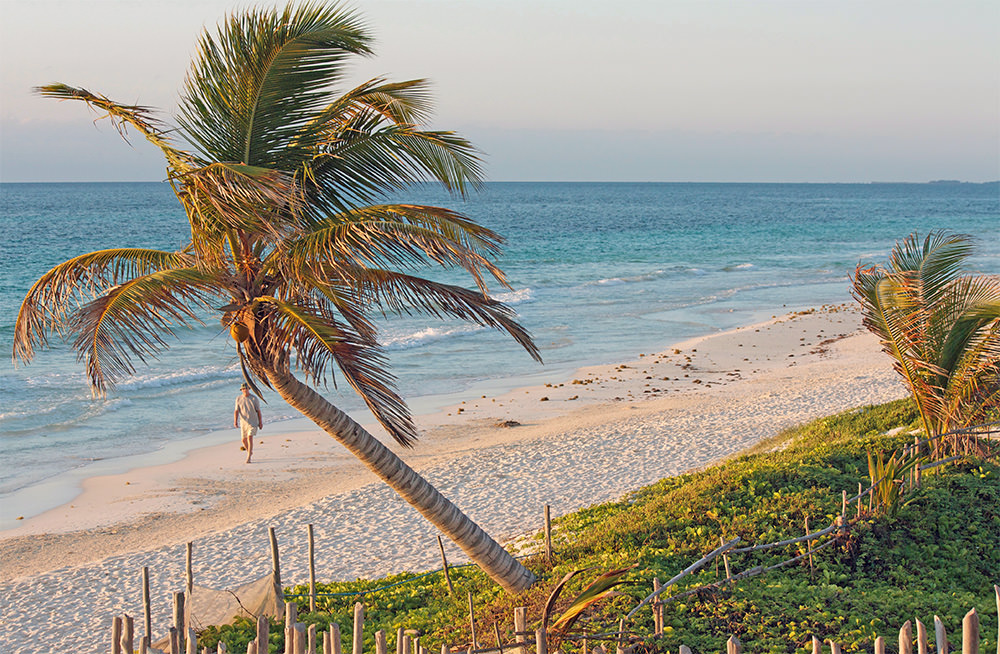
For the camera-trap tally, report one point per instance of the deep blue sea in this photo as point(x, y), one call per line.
point(600, 273)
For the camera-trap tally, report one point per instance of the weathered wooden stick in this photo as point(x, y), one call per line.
point(684, 649)
point(312, 569)
point(859, 499)
point(922, 647)
point(252, 647)
point(147, 609)
point(970, 632)
point(733, 645)
point(189, 567)
point(496, 634)
point(541, 644)
point(811, 570)
point(725, 560)
point(472, 622)
point(311, 637)
point(128, 634)
point(116, 635)
point(996, 591)
point(906, 638)
point(263, 632)
point(335, 638)
point(191, 641)
point(400, 640)
point(381, 646)
point(620, 647)
point(300, 638)
point(520, 627)
point(143, 646)
point(175, 641)
point(817, 645)
point(940, 636)
point(275, 559)
point(445, 649)
point(548, 536)
point(444, 564)
point(221, 648)
point(291, 617)
point(694, 567)
point(358, 646)
point(880, 645)
point(179, 619)
point(834, 647)
point(657, 613)
point(780, 543)
point(843, 504)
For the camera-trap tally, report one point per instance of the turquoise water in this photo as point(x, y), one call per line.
point(600, 272)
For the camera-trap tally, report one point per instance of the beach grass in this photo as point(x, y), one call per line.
point(938, 556)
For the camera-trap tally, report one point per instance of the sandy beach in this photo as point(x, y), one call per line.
point(589, 438)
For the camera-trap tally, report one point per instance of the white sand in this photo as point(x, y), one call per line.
point(65, 573)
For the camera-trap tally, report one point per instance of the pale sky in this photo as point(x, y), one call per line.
point(575, 90)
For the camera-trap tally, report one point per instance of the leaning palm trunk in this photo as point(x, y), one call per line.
point(439, 510)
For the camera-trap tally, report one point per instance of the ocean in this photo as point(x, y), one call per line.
point(600, 272)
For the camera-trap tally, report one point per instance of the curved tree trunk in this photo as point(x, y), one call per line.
point(476, 543)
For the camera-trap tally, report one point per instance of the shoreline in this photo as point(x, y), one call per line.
point(607, 431)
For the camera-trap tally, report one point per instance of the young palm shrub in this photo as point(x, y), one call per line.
point(290, 246)
point(941, 327)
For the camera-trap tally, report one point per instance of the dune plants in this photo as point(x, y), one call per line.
point(940, 326)
point(284, 180)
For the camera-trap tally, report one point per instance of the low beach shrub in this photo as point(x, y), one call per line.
point(938, 555)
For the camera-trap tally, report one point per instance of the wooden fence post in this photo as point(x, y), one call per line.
point(817, 645)
point(496, 634)
point(970, 632)
point(684, 649)
point(291, 617)
point(733, 645)
point(381, 647)
point(147, 609)
point(906, 638)
point(940, 637)
point(116, 635)
point(358, 646)
point(725, 559)
point(189, 567)
point(859, 500)
point(922, 647)
point(275, 560)
point(541, 646)
point(472, 622)
point(548, 536)
point(263, 632)
point(809, 549)
point(444, 564)
point(996, 591)
point(312, 570)
point(335, 639)
point(880, 645)
point(311, 637)
point(179, 620)
point(834, 647)
point(191, 642)
point(128, 634)
point(657, 611)
point(520, 626)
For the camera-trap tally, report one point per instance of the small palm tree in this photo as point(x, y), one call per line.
point(941, 328)
point(289, 247)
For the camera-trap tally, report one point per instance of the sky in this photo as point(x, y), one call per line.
point(570, 90)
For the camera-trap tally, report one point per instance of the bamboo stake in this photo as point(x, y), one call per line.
point(312, 569)
point(472, 622)
point(541, 645)
point(922, 639)
point(444, 564)
point(906, 638)
point(940, 636)
point(880, 645)
point(520, 627)
point(116, 635)
point(733, 645)
point(548, 536)
point(147, 609)
point(381, 646)
point(358, 646)
point(970, 632)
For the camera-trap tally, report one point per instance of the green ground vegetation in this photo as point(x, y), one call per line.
point(939, 555)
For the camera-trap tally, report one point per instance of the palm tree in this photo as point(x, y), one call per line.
point(941, 327)
point(280, 182)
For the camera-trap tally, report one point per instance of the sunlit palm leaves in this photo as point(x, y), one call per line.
point(941, 328)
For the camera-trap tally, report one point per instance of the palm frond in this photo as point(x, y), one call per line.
point(264, 75)
point(60, 291)
point(319, 340)
point(122, 115)
point(130, 320)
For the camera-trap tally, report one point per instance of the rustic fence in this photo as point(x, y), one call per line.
point(182, 637)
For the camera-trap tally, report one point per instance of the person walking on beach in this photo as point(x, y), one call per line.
point(247, 417)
